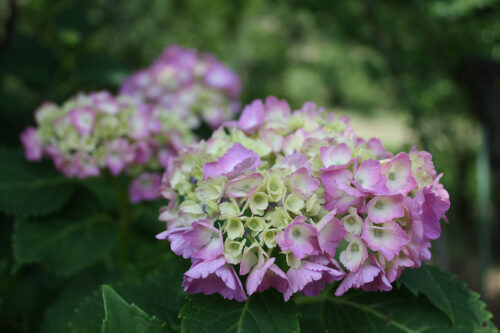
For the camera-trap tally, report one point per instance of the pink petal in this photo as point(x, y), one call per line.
point(207, 242)
point(432, 210)
point(398, 174)
point(146, 187)
point(177, 243)
point(376, 147)
point(368, 176)
point(31, 143)
point(296, 161)
point(236, 161)
point(336, 157)
point(265, 276)
point(365, 274)
point(331, 232)
point(300, 237)
point(252, 116)
point(388, 238)
point(385, 208)
point(83, 120)
point(302, 182)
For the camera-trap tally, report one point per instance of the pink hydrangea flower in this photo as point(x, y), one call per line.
point(279, 191)
point(96, 131)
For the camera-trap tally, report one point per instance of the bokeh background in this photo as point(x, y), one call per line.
point(410, 72)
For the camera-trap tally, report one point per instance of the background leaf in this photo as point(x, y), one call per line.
point(122, 318)
point(159, 293)
point(64, 246)
point(30, 188)
point(263, 312)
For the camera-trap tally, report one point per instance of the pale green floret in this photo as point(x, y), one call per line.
point(192, 208)
point(211, 207)
point(256, 145)
point(292, 260)
point(211, 189)
point(352, 222)
point(252, 254)
point(313, 205)
point(294, 203)
point(278, 218)
point(234, 228)
point(229, 208)
point(233, 251)
point(363, 153)
point(269, 238)
point(258, 203)
point(255, 224)
point(275, 187)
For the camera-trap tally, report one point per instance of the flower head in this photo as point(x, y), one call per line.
point(282, 194)
point(96, 131)
point(191, 85)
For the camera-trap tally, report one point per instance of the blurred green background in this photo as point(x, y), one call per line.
point(410, 72)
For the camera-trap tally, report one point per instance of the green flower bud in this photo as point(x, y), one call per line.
point(234, 228)
point(191, 207)
point(292, 260)
point(279, 218)
point(313, 205)
point(275, 187)
point(229, 208)
point(256, 224)
point(258, 203)
point(269, 238)
point(294, 203)
point(232, 251)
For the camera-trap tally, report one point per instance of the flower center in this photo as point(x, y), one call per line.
point(296, 232)
point(379, 205)
point(378, 233)
point(354, 247)
point(391, 176)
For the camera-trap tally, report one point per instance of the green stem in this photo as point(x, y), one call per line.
point(123, 220)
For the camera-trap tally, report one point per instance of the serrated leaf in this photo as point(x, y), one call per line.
point(120, 317)
point(461, 305)
point(399, 310)
point(64, 246)
point(30, 188)
point(159, 294)
point(263, 312)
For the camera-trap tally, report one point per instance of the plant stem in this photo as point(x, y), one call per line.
point(123, 221)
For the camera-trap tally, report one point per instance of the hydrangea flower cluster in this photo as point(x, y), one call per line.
point(188, 84)
point(295, 201)
point(96, 131)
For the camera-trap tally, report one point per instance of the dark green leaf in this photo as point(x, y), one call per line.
point(159, 294)
point(400, 310)
point(461, 305)
point(30, 188)
point(263, 312)
point(64, 246)
point(120, 317)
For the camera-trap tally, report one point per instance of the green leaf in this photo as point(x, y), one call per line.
point(159, 293)
point(461, 305)
point(30, 188)
point(120, 317)
point(262, 312)
point(399, 310)
point(64, 246)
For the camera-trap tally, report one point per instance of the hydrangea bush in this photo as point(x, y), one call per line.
point(193, 86)
point(97, 131)
point(296, 201)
